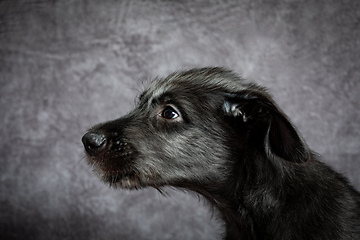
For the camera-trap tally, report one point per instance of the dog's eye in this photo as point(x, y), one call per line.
point(169, 113)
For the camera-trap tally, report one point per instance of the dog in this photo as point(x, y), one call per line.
point(209, 131)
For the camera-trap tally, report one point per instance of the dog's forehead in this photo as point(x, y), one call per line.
point(195, 81)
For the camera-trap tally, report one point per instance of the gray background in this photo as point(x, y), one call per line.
point(67, 65)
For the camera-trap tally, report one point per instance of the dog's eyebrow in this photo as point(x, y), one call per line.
point(164, 98)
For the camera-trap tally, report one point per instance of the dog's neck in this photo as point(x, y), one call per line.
point(237, 216)
point(244, 209)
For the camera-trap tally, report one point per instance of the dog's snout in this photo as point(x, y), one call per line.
point(93, 142)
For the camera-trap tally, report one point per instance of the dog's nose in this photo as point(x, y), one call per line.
point(93, 142)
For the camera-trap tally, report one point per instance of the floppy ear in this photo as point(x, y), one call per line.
point(254, 109)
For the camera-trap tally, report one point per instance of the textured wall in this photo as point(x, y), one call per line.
point(67, 65)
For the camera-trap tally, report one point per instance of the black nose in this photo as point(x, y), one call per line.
point(93, 142)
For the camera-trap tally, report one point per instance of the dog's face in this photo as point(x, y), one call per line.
point(191, 129)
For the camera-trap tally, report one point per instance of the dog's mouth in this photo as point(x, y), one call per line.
point(114, 161)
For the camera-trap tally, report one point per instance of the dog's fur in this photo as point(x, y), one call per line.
point(209, 131)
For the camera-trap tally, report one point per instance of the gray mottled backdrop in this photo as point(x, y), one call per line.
point(67, 65)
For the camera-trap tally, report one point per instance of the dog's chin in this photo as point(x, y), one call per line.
point(123, 181)
point(126, 179)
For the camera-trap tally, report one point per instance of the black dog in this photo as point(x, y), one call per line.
point(209, 131)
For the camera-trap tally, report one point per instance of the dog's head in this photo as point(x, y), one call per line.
point(192, 128)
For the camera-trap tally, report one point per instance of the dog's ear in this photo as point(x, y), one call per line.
point(257, 110)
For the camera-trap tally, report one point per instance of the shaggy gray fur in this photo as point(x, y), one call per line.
point(209, 131)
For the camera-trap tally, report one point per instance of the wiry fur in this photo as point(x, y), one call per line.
point(227, 140)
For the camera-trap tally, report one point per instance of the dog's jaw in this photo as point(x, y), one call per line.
point(127, 177)
point(124, 179)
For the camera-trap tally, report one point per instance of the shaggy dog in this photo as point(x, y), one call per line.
point(209, 131)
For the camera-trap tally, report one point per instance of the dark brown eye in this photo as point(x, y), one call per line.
point(169, 113)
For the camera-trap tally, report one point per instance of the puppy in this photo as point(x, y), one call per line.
point(209, 131)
